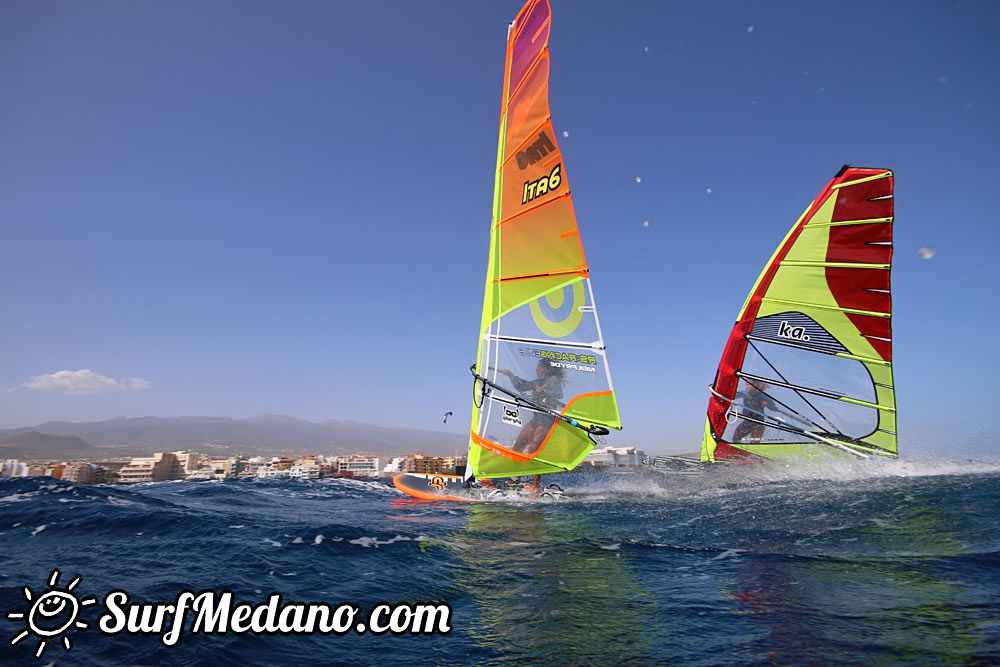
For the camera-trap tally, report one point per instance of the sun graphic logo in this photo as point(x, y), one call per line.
point(51, 614)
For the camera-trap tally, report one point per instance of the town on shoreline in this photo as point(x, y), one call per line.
point(183, 464)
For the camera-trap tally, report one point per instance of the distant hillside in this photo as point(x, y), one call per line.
point(269, 434)
point(35, 445)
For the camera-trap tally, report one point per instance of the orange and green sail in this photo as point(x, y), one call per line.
point(808, 364)
point(542, 382)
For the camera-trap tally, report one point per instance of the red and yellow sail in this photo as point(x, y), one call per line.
point(808, 364)
point(539, 318)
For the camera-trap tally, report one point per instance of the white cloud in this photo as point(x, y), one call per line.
point(84, 381)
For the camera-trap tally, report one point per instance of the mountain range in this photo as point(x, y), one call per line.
point(219, 436)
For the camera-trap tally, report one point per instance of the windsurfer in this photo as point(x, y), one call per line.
point(545, 390)
point(755, 400)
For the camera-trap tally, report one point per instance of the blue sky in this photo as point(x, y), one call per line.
point(233, 208)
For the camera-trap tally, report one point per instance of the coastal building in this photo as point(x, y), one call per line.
point(614, 457)
point(395, 465)
point(455, 463)
point(186, 463)
point(282, 462)
point(220, 468)
point(236, 467)
point(433, 465)
point(81, 473)
point(359, 466)
point(267, 472)
point(305, 470)
point(254, 465)
point(13, 468)
point(147, 468)
point(107, 470)
point(160, 466)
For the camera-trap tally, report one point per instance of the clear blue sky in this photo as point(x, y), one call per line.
point(233, 208)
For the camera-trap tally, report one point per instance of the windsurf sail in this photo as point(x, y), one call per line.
point(808, 364)
point(542, 384)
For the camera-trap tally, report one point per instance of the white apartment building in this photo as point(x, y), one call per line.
point(13, 468)
point(360, 466)
point(160, 466)
point(267, 472)
point(304, 471)
point(614, 456)
point(81, 473)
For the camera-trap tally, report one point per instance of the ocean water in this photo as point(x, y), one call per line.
point(897, 563)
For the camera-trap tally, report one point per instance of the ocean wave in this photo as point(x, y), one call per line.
point(634, 567)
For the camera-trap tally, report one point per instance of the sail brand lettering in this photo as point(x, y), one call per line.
point(535, 152)
point(557, 356)
point(510, 415)
point(786, 330)
point(543, 185)
point(574, 367)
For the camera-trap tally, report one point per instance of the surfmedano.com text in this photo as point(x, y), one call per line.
point(215, 613)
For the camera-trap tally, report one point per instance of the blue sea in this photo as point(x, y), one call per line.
point(894, 563)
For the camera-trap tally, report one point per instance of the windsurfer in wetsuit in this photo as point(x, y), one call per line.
point(545, 390)
point(754, 401)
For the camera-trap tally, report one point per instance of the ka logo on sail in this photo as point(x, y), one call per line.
point(785, 330)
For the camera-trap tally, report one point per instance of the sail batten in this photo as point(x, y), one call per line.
point(838, 265)
point(857, 181)
point(813, 341)
point(581, 346)
point(823, 306)
point(868, 360)
point(818, 392)
point(856, 401)
point(579, 271)
point(543, 387)
point(841, 223)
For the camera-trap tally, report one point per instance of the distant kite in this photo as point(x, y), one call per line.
point(445, 419)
